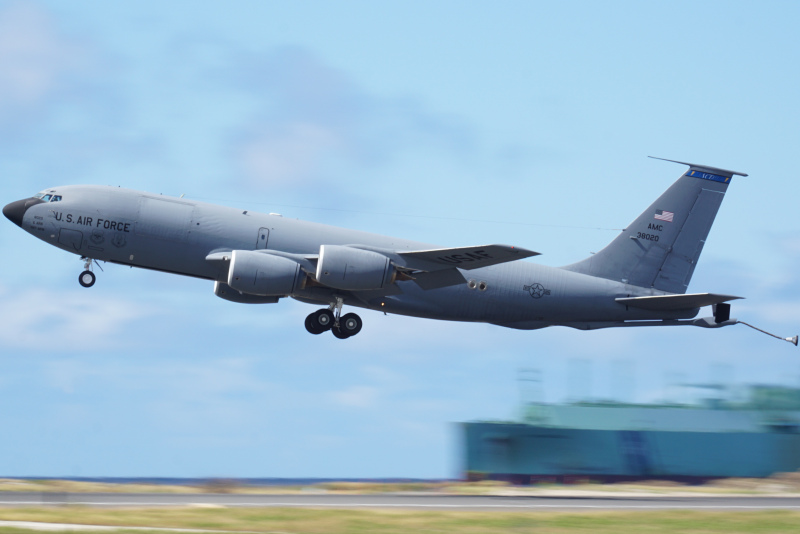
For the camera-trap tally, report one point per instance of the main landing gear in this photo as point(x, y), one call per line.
point(341, 326)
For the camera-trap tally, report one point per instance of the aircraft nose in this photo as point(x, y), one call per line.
point(16, 210)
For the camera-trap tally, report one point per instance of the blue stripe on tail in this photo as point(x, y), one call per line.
point(709, 176)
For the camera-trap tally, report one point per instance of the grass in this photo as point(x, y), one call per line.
point(312, 521)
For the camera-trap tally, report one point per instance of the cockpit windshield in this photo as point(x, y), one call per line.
point(47, 197)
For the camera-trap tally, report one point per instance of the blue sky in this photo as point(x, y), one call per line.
point(455, 123)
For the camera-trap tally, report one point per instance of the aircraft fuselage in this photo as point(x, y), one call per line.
point(177, 235)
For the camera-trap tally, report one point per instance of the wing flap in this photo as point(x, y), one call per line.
point(438, 279)
point(676, 302)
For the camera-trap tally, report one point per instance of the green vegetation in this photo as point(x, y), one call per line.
point(308, 521)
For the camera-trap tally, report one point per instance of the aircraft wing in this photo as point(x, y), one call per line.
point(463, 257)
point(675, 302)
point(422, 260)
point(429, 269)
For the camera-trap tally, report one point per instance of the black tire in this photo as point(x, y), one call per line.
point(339, 333)
point(87, 279)
point(324, 319)
point(311, 325)
point(350, 324)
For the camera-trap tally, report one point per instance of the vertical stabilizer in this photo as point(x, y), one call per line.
point(661, 247)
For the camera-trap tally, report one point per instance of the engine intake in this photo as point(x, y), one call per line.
point(257, 273)
point(353, 269)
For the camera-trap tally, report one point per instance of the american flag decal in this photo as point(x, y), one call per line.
point(663, 215)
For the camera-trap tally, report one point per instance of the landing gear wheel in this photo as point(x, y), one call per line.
point(319, 321)
point(339, 333)
point(350, 324)
point(324, 318)
point(87, 279)
point(310, 325)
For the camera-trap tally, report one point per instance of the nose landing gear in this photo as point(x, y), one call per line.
point(330, 318)
point(87, 277)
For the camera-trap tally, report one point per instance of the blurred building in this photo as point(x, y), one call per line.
point(755, 436)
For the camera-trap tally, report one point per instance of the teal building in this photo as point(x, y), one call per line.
point(618, 442)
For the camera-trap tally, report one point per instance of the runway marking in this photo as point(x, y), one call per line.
point(684, 506)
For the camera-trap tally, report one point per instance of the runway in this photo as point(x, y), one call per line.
point(410, 501)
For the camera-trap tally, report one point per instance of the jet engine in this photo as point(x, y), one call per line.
point(262, 274)
point(353, 269)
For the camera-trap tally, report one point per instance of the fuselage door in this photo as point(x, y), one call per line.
point(73, 239)
point(263, 237)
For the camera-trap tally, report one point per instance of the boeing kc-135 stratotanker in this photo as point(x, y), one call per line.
point(639, 279)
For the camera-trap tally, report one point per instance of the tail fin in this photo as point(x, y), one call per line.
point(661, 247)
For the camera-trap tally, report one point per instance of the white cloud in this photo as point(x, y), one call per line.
point(312, 124)
point(33, 58)
point(790, 244)
point(387, 377)
point(287, 154)
point(356, 397)
point(210, 378)
point(70, 320)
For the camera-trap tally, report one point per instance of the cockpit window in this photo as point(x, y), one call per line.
point(47, 198)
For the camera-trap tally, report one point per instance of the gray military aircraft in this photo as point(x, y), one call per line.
point(639, 279)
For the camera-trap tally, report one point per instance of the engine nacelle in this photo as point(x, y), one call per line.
point(262, 274)
point(353, 269)
point(226, 292)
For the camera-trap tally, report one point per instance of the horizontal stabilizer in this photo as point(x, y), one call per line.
point(702, 167)
point(675, 302)
point(463, 257)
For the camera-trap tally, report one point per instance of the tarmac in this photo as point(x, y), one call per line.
point(415, 501)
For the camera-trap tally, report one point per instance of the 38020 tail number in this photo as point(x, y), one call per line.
point(646, 237)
